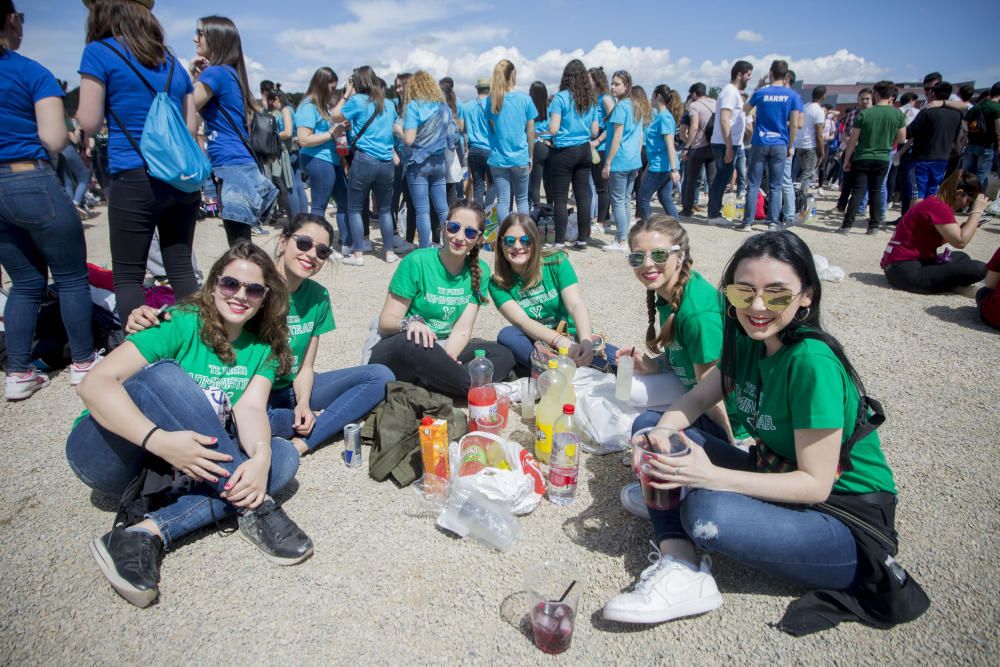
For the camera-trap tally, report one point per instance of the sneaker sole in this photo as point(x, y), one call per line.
point(22, 395)
point(278, 560)
point(693, 608)
point(133, 595)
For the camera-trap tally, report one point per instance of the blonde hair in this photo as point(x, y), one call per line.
point(669, 227)
point(642, 111)
point(424, 88)
point(504, 75)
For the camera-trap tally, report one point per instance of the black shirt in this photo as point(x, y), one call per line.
point(934, 132)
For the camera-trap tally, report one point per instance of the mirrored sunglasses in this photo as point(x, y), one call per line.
point(471, 233)
point(775, 299)
point(509, 241)
point(658, 255)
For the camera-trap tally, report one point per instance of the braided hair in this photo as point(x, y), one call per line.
point(475, 271)
point(669, 227)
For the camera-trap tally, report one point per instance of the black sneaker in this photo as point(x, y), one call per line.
point(270, 530)
point(131, 563)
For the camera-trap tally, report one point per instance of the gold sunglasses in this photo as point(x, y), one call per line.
point(776, 299)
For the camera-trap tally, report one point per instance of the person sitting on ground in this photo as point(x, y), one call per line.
point(191, 396)
point(911, 261)
point(988, 296)
point(434, 297)
point(798, 395)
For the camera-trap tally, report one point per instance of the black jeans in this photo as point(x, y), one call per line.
point(401, 192)
point(696, 159)
point(139, 206)
point(601, 187)
point(433, 369)
point(865, 175)
point(564, 166)
point(538, 159)
point(484, 190)
point(236, 231)
point(929, 277)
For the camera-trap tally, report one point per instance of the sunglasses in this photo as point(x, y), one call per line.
point(509, 241)
point(658, 255)
point(305, 244)
point(776, 299)
point(470, 233)
point(230, 287)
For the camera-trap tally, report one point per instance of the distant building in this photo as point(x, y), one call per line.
point(844, 96)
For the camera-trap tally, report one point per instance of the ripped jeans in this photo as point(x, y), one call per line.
point(789, 542)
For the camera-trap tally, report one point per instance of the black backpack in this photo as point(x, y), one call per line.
point(710, 128)
point(264, 139)
point(978, 123)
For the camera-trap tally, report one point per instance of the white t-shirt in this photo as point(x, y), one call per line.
point(813, 115)
point(731, 99)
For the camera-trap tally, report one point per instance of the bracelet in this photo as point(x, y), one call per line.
point(145, 440)
point(404, 324)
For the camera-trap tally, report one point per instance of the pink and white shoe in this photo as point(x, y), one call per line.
point(78, 371)
point(21, 386)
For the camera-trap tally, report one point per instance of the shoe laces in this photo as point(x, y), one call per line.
point(651, 573)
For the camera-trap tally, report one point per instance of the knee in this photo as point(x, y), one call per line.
point(162, 376)
point(704, 517)
point(647, 419)
point(510, 336)
point(380, 375)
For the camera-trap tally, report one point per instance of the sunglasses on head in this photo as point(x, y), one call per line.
point(658, 255)
point(470, 233)
point(230, 287)
point(305, 244)
point(509, 241)
point(776, 299)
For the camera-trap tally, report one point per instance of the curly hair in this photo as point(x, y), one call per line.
point(424, 88)
point(475, 271)
point(576, 80)
point(669, 227)
point(269, 324)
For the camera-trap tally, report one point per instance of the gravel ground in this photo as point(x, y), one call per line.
point(387, 587)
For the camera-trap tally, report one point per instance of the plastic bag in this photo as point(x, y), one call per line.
point(520, 489)
point(607, 422)
point(468, 513)
point(826, 271)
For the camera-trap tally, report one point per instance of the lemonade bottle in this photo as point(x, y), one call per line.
point(552, 386)
point(729, 206)
point(566, 365)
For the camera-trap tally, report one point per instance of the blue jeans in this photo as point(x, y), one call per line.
point(787, 193)
point(76, 176)
point(723, 174)
point(367, 175)
point(327, 180)
point(521, 345)
point(168, 396)
point(789, 542)
point(428, 186)
point(660, 183)
point(344, 396)
point(620, 184)
point(510, 179)
point(298, 202)
point(979, 160)
point(741, 171)
point(246, 196)
point(40, 231)
point(772, 158)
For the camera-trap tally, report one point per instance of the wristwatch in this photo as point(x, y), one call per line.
point(404, 324)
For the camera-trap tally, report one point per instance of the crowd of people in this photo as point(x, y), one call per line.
point(219, 396)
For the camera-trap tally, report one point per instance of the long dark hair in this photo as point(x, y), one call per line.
point(366, 82)
point(600, 81)
point(6, 9)
point(576, 80)
point(670, 99)
point(318, 91)
point(787, 248)
point(540, 96)
point(224, 43)
point(131, 24)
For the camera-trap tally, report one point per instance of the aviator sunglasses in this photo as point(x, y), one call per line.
point(776, 299)
point(470, 233)
point(509, 241)
point(658, 255)
point(305, 244)
point(230, 287)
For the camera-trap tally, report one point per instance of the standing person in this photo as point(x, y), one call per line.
point(727, 137)
point(40, 231)
point(191, 395)
point(572, 124)
point(809, 143)
point(662, 174)
point(297, 200)
point(787, 187)
point(477, 133)
point(511, 115)
point(984, 136)
point(697, 150)
point(280, 168)
point(122, 35)
point(605, 103)
point(371, 117)
point(543, 143)
point(624, 157)
point(222, 96)
point(77, 176)
point(933, 133)
point(400, 188)
point(866, 158)
point(773, 138)
point(865, 97)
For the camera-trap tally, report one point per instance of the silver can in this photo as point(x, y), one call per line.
point(352, 445)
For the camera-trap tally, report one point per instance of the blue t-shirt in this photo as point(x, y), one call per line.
point(508, 135)
point(656, 149)
point(542, 130)
point(775, 105)
point(477, 127)
point(629, 155)
point(281, 119)
point(225, 144)
point(418, 112)
point(23, 82)
point(377, 139)
point(602, 125)
point(308, 115)
point(128, 96)
point(574, 127)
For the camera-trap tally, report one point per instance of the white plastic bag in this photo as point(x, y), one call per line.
point(607, 422)
point(520, 489)
point(827, 271)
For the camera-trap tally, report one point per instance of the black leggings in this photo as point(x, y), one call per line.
point(433, 369)
point(236, 231)
point(540, 157)
point(601, 186)
point(564, 166)
point(928, 277)
point(139, 206)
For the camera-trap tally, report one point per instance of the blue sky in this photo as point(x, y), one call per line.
point(826, 42)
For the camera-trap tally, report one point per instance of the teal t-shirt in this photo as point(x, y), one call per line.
point(309, 315)
point(435, 294)
point(308, 115)
point(805, 386)
point(543, 302)
point(418, 112)
point(377, 139)
point(656, 149)
point(508, 134)
point(477, 128)
point(602, 124)
point(629, 155)
point(574, 127)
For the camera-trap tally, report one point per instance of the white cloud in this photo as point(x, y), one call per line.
point(749, 36)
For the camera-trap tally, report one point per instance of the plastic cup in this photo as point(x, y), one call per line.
point(492, 424)
point(553, 589)
point(503, 401)
point(665, 442)
point(529, 389)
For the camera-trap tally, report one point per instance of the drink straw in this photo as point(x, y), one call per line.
point(571, 585)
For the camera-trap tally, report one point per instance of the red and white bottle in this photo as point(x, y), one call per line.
point(482, 395)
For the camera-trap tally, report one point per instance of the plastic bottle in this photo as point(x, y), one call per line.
point(564, 467)
point(810, 212)
point(551, 387)
point(566, 365)
point(482, 395)
point(729, 206)
point(623, 380)
point(549, 378)
point(471, 514)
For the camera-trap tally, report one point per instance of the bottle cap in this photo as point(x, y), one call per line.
point(569, 409)
point(427, 421)
point(564, 350)
point(480, 353)
point(553, 363)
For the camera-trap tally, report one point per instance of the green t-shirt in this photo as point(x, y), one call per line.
point(991, 111)
point(309, 315)
point(543, 302)
point(805, 386)
point(879, 125)
point(435, 295)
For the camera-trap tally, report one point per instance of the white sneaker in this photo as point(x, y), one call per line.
point(391, 257)
point(719, 222)
point(666, 590)
point(351, 260)
point(615, 246)
point(633, 501)
point(79, 371)
point(19, 387)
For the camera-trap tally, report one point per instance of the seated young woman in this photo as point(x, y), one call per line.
point(342, 396)
point(535, 290)
point(434, 297)
point(911, 262)
point(177, 395)
point(797, 394)
point(988, 296)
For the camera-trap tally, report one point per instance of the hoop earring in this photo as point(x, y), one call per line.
point(731, 312)
point(804, 317)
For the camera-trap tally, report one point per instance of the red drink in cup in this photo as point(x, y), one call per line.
point(553, 589)
point(503, 401)
point(552, 626)
point(650, 442)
